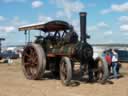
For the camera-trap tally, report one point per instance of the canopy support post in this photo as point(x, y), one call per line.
point(28, 36)
point(25, 33)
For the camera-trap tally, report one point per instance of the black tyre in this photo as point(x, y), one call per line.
point(65, 71)
point(33, 61)
point(102, 66)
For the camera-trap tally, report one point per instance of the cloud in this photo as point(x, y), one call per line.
point(108, 33)
point(123, 19)
point(126, 34)
point(11, 25)
point(37, 4)
point(4, 34)
point(68, 7)
point(17, 22)
point(10, 1)
point(102, 25)
point(124, 28)
point(92, 29)
point(108, 42)
point(120, 7)
point(76, 24)
point(91, 5)
point(2, 18)
point(60, 14)
point(97, 27)
point(44, 19)
point(106, 11)
point(7, 28)
point(116, 8)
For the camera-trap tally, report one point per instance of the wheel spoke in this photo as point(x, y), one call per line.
point(35, 60)
point(27, 64)
point(34, 54)
point(63, 71)
point(31, 50)
point(100, 76)
point(26, 54)
point(34, 57)
point(33, 70)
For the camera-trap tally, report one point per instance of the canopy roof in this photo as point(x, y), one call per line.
point(55, 25)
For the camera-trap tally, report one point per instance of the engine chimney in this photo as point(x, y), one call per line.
point(83, 26)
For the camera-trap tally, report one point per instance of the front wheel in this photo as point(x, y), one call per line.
point(102, 69)
point(65, 71)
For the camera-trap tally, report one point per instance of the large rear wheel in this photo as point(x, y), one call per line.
point(65, 71)
point(33, 61)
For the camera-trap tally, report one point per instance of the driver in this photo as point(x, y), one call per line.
point(71, 37)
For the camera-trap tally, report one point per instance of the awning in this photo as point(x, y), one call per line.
point(51, 26)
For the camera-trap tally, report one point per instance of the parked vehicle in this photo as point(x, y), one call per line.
point(9, 54)
point(123, 55)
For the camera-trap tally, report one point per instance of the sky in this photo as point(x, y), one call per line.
point(107, 20)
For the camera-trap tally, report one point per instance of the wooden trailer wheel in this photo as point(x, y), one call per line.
point(33, 61)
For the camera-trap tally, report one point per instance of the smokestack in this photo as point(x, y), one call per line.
point(83, 26)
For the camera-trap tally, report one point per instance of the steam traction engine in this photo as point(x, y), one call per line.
point(58, 50)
